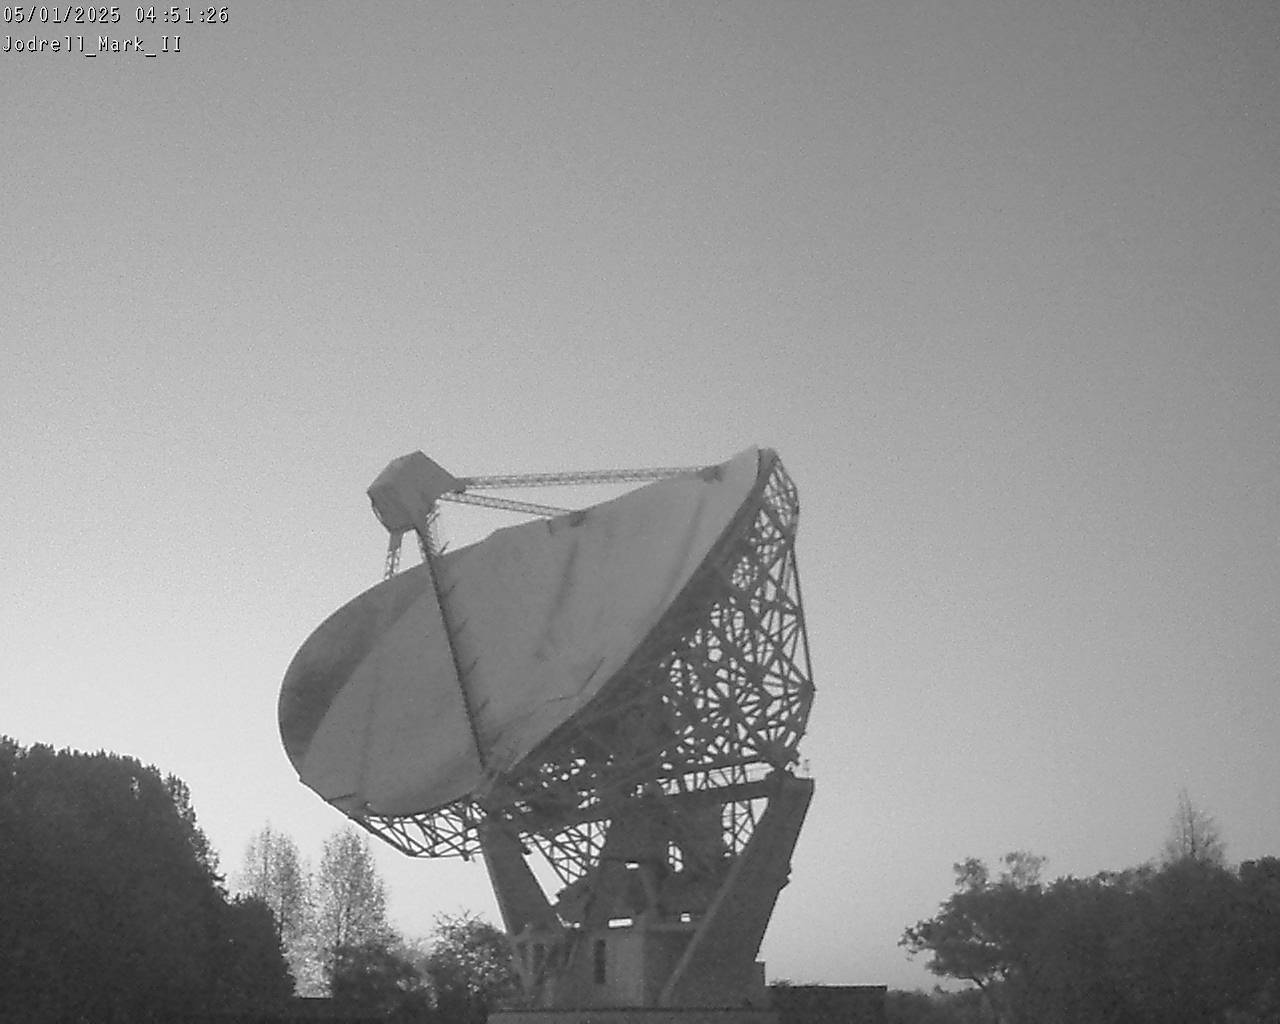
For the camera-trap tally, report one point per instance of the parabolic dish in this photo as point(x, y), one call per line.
point(392, 707)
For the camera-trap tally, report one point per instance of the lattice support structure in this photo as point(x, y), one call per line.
point(667, 916)
point(668, 809)
point(718, 695)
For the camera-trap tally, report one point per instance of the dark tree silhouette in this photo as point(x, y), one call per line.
point(249, 969)
point(470, 968)
point(110, 904)
point(981, 934)
point(1190, 942)
point(375, 978)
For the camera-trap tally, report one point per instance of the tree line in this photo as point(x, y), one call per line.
point(317, 915)
point(111, 905)
point(113, 910)
point(1186, 940)
point(333, 929)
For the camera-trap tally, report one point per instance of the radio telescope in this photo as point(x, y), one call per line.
point(618, 691)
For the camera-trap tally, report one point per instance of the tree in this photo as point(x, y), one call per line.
point(1070, 970)
point(470, 967)
point(1260, 938)
point(272, 871)
point(110, 904)
point(1193, 835)
point(1189, 942)
point(983, 933)
point(180, 796)
point(250, 970)
point(351, 902)
point(377, 977)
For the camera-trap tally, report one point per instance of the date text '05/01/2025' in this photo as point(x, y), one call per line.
point(18, 14)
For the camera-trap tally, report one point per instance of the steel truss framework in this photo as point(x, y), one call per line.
point(715, 698)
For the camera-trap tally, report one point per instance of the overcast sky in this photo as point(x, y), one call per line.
point(1000, 281)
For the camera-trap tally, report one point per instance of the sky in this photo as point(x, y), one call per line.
point(1000, 281)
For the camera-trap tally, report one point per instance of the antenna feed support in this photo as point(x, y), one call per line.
point(404, 493)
